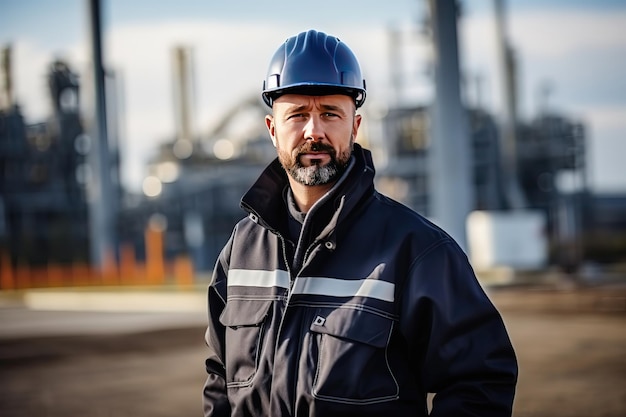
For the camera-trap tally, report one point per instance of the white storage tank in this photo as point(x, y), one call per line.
point(515, 239)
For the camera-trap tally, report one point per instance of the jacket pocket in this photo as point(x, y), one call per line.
point(352, 363)
point(245, 323)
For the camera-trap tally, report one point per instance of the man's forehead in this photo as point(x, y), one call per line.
point(305, 101)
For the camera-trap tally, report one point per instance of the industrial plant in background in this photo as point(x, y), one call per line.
point(45, 175)
point(195, 180)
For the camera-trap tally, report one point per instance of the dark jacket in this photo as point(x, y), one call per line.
point(372, 309)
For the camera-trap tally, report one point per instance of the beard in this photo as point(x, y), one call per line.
point(315, 174)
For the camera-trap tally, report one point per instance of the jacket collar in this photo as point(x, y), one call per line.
point(265, 202)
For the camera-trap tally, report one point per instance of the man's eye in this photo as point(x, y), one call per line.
point(331, 115)
point(296, 116)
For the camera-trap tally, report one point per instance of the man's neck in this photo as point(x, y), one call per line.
point(307, 195)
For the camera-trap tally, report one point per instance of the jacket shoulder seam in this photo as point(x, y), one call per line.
point(429, 249)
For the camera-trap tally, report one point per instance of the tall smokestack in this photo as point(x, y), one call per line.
point(393, 36)
point(508, 134)
point(6, 79)
point(183, 100)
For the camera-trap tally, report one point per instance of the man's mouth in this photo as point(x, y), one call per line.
point(314, 158)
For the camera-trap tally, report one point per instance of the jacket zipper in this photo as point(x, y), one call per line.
point(292, 280)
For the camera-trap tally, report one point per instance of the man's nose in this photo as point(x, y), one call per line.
point(314, 129)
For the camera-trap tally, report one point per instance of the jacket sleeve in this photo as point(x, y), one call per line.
point(215, 399)
point(463, 353)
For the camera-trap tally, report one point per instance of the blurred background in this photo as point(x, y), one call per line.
point(130, 130)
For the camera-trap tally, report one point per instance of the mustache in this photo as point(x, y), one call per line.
point(308, 147)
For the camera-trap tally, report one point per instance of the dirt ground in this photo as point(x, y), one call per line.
point(572, 364)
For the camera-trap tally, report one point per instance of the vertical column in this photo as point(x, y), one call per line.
point(450, 155)
point(101, 216)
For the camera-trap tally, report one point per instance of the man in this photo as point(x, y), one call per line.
point(330, 299)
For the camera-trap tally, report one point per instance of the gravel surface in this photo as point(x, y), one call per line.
point(572, 364)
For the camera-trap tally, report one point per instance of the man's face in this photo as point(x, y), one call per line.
point(313, 135)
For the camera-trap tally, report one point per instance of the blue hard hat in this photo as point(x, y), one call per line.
point(314, 63)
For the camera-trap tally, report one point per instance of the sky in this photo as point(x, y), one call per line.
point(576, 47)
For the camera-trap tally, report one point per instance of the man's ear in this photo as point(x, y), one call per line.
point(355, 125)
point(269, 123)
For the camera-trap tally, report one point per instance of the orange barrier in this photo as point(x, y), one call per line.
point(23, 277)
point(155, 266)
point(129, 271)
point(183, 271)
point(7, 278)
point(57, 275)
point(155, 270)
point(110, 274)
point(83, 275)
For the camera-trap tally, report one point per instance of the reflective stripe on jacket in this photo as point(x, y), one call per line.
point(380, 308)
